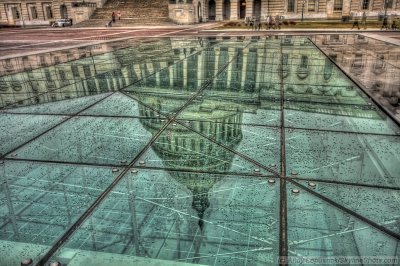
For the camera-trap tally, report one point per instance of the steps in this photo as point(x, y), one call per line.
point(133, 12)
point(124, 22)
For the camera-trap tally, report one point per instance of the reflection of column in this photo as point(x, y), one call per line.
point(86, 185)
point(185, 69)
point(171, 76)
point(216, 65)
point(138, 72)
point(200, 70)
point(244, 67)
point(11, 212)
point(259, 73)
point(231, 53)
point(132, 209)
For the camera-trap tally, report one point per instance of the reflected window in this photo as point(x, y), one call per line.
point(379, 66)
point(357, 62)
point(328, 68)
point(3, 85)
point(365, 4)
point(285, 59)
point(287, 40)
point(42, 60)
point(304, 61)
point(48, 75)
point(75, 71)
point(16, 85)
point(338, 5)
point(290, 6)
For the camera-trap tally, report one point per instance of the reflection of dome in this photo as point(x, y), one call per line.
point(181, 148)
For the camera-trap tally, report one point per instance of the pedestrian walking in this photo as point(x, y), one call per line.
point(113, 17)
point(257, 25)
point(119, 15)
point(385, 23)
point(277, 22)
point(394, 24)
point(364, 20)
point(355, 22)
point(267, 22)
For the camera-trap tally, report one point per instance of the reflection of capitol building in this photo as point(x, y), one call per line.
point(371, 62)
point(171, 71)
point(253, 77)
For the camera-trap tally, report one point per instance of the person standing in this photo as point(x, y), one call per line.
point(364, 20)
point(277, 22)
point(113, 17)
point(385, 23)
point(268, 26)
point(355, 22)
point(119, 15)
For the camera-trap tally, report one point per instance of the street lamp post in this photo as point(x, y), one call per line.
point(302, 10)
point(385, 6)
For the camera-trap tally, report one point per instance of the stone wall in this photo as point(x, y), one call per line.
point(182, 13)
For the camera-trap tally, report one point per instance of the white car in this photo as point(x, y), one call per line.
point(62, 22)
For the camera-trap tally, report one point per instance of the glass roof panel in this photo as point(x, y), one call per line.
point(359, 199)
point(93, 140)
point(17, 129)
point(119, 104)
point(67, 107)
point(319, 230)
point(337, 117)
point(344, 157)
point(40, 201)
point(183, 217)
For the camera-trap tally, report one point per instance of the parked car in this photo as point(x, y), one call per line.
point(62, 22)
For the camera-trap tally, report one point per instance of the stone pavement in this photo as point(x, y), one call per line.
point(23, 41)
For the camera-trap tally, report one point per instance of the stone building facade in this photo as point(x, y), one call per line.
point(190, 11)
point(25, 12)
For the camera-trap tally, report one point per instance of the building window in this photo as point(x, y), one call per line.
point(16, 13)
point(290, 6)
point(365, 4)
point(33, 12)
point(312, 5)
point(338, 5)
point(388, 3)
point(49, 12)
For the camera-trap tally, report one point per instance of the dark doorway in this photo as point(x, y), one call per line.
point(242, 9)
point(63, 11)
point(211, 10)
point(257, 8)
point(199, 13)
point(226, 11)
